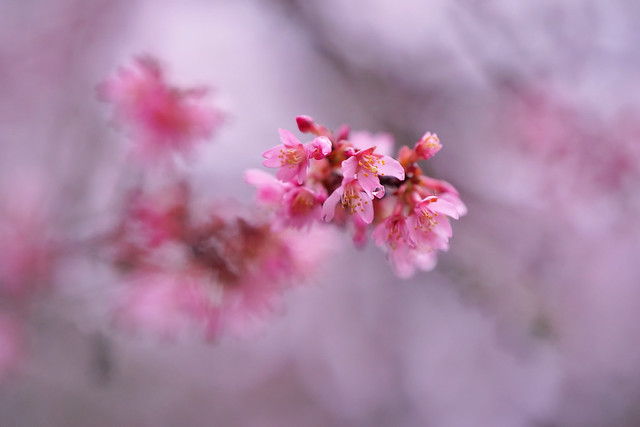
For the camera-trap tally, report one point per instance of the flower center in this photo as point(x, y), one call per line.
point(369, 163)
point(303, 203)
point(291, 157)
point(352, 201)
point(427, 220)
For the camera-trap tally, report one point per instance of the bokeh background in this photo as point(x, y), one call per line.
point(532, 317)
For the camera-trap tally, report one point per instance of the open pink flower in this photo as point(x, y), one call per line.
point(354, 200)
point(302, 206)
point(444, 191)
point(366, 167)
point(295, 205)
point(161, 119)
point(393, 234)
point(428, 223)
point(292, 157)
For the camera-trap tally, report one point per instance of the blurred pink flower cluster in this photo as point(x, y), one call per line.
point(160, 119)
point(186, 266)
point(581, 151)
point(355, 183)
point(213, 269)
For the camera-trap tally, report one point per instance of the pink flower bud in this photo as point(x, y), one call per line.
point(428, 146)
point(305, 124)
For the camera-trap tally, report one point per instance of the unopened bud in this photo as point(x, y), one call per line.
point(305, 124)
point(428, 146)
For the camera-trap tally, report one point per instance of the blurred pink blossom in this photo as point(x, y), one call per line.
point(214, 269)
point(167, 303)
point(160, 119)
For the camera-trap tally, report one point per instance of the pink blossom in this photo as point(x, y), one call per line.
point(160, 118)
point(319, 148)
point(428, 146)
point(296, 206)
point(269, 189)
point(292, 157)
point(168, 303)
point(444, 191)
point(393, 233)
point(220, 272)
point(292, 259)
point(353, 198)
point(410, 242)
point(302, 206)
point(155, 219)
point(366, 166)
point(428, 225)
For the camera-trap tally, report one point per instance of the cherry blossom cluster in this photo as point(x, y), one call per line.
point(185, 263)
point(352, 181)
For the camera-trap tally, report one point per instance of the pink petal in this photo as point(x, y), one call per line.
point(391, 167)
point(445, 207)
point(402, 262)
point(370, 184)
point(287, 174)
point(349, 168)
point(452, 198)
point(329, 206)
point(302, 172)
point(366, 213)
point(269, 189)
point(380, 234)
point(288, 139)
point(443, 228)
point(425, 261)
point(271, 155)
